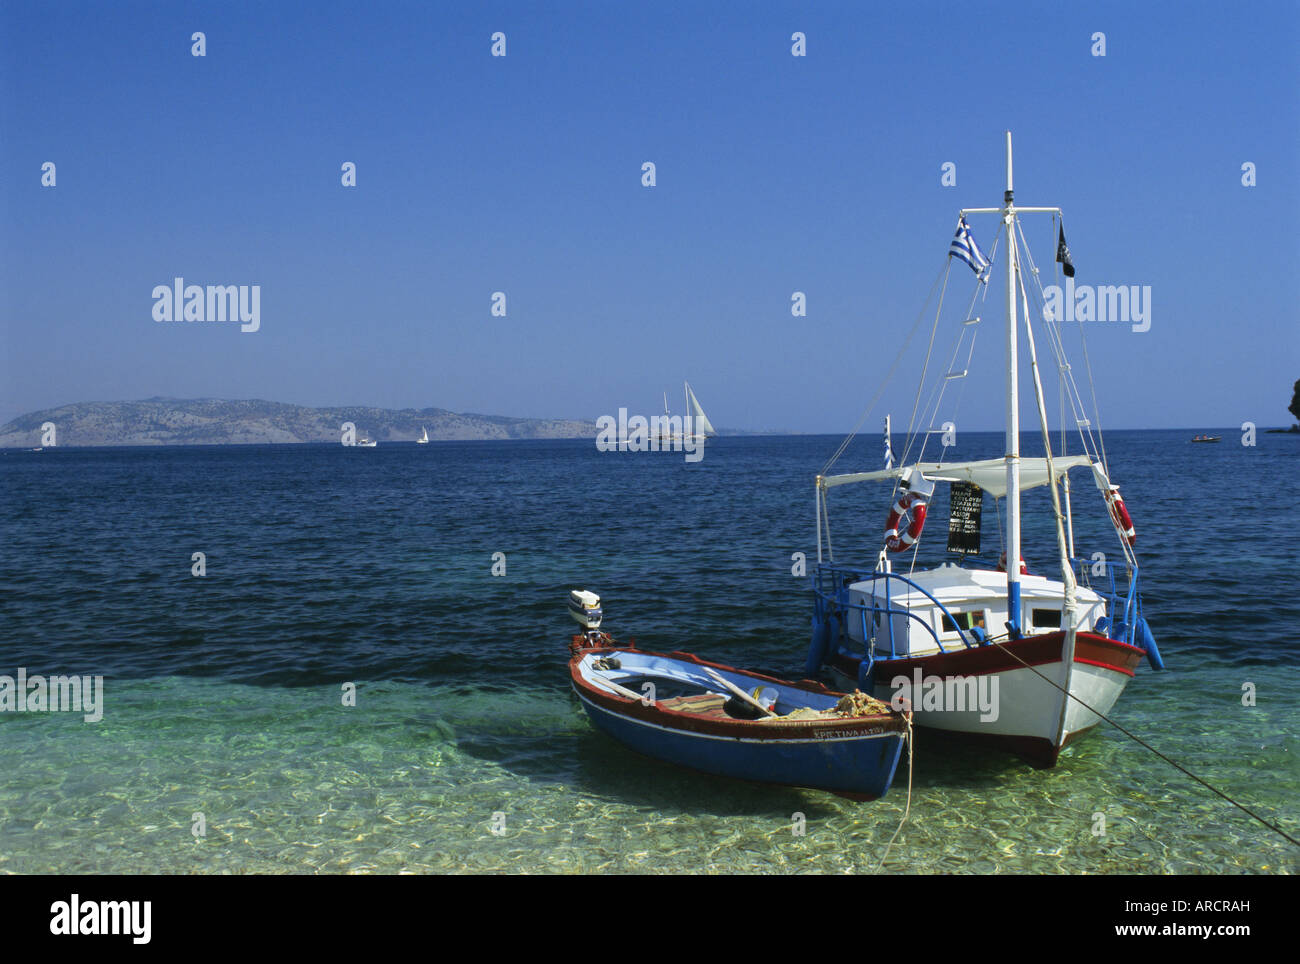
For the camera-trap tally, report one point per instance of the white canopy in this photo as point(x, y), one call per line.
point(990, 474)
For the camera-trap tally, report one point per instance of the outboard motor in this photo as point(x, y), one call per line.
point(584, 607)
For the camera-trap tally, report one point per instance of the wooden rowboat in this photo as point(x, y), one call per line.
point(717, 719)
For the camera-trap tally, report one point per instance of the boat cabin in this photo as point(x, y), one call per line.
point(951, 601)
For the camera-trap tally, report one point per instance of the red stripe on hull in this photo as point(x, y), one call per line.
point(1090, 648)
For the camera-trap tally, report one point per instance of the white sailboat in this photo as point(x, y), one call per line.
point(696, 429)
point(703, 428)
point(424, 436)
point(1069, 646)
point(666, 435)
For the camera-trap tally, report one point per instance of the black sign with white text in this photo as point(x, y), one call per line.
point(966, 502)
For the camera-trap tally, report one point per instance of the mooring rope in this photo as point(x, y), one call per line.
point(908, 809)
point(1136, 739)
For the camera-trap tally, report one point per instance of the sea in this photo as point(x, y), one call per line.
point(319, 659)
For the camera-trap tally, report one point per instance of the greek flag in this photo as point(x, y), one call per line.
point(963, 246)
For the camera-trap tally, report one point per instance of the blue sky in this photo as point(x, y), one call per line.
point(522, 174)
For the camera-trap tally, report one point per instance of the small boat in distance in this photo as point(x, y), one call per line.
point(366, 442)
point(706, 716)
point(703, 427)
point(424, 436)
point(700, 426)
point(1208, 438)
point(665, 435)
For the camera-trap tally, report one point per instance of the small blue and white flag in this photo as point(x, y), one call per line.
point(963, 246)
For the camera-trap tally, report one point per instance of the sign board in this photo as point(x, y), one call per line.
point(966, 503)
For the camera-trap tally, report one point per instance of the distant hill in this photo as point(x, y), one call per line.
point(210, 421)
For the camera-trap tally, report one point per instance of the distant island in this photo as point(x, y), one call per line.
point(211, 421)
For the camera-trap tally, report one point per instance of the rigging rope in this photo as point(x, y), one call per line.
point(1093, 448)
point(942, 276)
point(940, 387)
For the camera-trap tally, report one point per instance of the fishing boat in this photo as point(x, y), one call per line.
point(424, 436)
point(717, 719)
point(1026, 661)
point(1208, 438)
point(366, 442)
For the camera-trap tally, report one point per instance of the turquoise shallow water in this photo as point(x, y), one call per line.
point(327, 566)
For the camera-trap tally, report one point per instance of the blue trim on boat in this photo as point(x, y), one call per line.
point(853, 764)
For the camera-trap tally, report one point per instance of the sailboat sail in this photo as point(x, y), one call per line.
point(702, 424)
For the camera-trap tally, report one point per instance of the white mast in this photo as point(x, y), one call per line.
point(1013, 411)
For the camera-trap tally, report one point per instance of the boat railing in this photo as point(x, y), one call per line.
point(1107, 583)
point(831, 596)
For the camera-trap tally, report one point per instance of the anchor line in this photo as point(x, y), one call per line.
point(1136, 739)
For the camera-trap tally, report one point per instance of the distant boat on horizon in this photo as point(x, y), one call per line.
point(366, 442)
point(704, 428)
point(701, 421)
point(1208, 438)
point(424, 436)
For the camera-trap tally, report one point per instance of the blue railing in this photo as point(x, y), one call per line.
point(1129, 602)
point(833, 599)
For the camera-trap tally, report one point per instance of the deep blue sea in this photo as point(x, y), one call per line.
point(225, 745)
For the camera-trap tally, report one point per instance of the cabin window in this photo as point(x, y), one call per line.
point(963, 621)
point(1046, 619)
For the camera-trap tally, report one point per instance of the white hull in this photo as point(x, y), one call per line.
point(1014, 707)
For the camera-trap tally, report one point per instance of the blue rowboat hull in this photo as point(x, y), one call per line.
point(857, 766)
point(851, 764)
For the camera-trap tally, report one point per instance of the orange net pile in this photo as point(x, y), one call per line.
point(859, 703)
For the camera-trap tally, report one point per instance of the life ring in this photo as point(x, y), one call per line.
point(908, 502)
point(1002, 565)
point(1119, 515)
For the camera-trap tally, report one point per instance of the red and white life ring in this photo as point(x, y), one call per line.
point(908, 502)
point(1002, 565)
point(1119, 515)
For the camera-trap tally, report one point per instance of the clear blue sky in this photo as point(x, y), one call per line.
point(775, 174)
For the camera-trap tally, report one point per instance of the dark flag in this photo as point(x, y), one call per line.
point(1063, 254)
